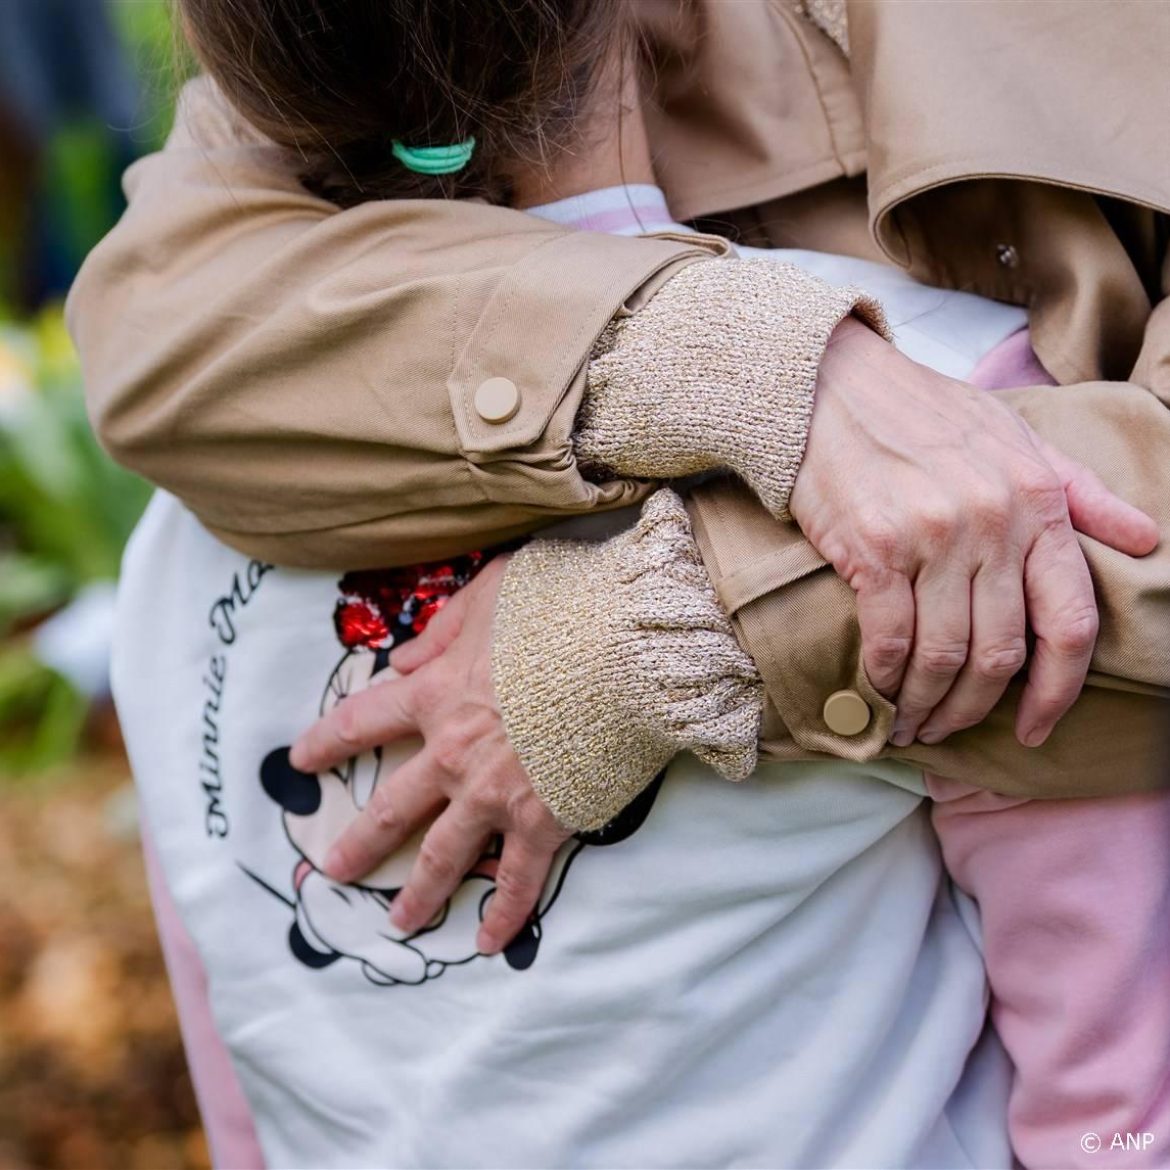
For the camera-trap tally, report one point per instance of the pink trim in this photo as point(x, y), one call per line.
point(1011, 363)
point(227, 1117)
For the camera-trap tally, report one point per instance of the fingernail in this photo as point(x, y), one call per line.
point(1036, 736)
point(401, 919)
point(488, 944)
point(335, 866)
point(296, 756)
point(929, 735)
point(902, 736)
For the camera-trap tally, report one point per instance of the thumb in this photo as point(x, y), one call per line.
point(440, 632)
point(1097, 512)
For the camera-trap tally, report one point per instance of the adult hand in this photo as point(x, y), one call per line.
point(466, 778)
point(956, 526)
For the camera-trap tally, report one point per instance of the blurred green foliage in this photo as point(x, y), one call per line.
point(65, 509)
point(66, 512)
point(159, 59)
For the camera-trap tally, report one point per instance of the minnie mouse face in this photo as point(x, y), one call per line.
point(333, 920)
point(336, 920)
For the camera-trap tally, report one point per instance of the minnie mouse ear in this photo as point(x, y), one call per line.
point(307, 954)
point(520, 953)
point(296, 792)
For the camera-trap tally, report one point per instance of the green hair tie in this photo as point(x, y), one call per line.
point(434, 160)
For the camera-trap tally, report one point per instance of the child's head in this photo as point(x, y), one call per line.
point(339, 80)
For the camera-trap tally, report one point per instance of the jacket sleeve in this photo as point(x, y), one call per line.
point(308, 380)
point(611, 657)
point(406, 380)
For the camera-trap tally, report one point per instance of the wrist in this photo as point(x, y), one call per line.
point(854, 353)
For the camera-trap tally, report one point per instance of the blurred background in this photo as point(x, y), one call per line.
point(91, 1068)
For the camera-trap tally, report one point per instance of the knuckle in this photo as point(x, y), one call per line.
point(959, 719)
point(529, 817)
point(1050, 707)
point(1000, 662)
point(482, 801)
point(938, 521)
point(437, 863)
point(880, 539)
point(406, 902)
point(868, 576)
point(941, 658)
point(515, 889)
point(426, 690)
point(492, 790)
point(348, 726)
point(990, 509)
point(381, 812)
point(1077, 631)
point(1040, 487)
point(449, 754)
point(888, 651)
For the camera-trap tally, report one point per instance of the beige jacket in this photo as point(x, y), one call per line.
point(202, 320)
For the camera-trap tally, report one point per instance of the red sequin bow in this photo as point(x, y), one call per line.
point(381, 608)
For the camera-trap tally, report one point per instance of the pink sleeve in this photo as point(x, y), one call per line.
point(227, 1117)
point(1074, 898)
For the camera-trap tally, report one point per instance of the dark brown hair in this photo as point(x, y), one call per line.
point(338, 80)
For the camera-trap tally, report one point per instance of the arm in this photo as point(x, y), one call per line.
point(344, 425)
point(609, 659)
point(648, 664)
point(305, 379)
point(629, 641)
point(787, 606)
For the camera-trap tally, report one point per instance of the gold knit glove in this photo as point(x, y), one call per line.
point(831, 18)
point(717, 370)
point(611, 658)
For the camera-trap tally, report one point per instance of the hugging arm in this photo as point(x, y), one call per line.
point(609, 659)
point(402, 381)
point(308, 381)
point(676, 604)
point(410, 379)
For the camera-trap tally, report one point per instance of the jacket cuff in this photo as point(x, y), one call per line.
point(517, 384)
point(718, 370)
point(609, 659)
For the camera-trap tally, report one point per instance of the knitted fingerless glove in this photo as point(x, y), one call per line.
point(611, 658)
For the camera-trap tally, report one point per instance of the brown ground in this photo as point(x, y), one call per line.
point(92, 1074)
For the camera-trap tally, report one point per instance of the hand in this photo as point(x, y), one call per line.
point(954, 523)
point(466, 779)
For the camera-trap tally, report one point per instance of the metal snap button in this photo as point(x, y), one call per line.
point(1007, 255)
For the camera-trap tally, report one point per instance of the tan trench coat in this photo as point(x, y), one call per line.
point(303, 378)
